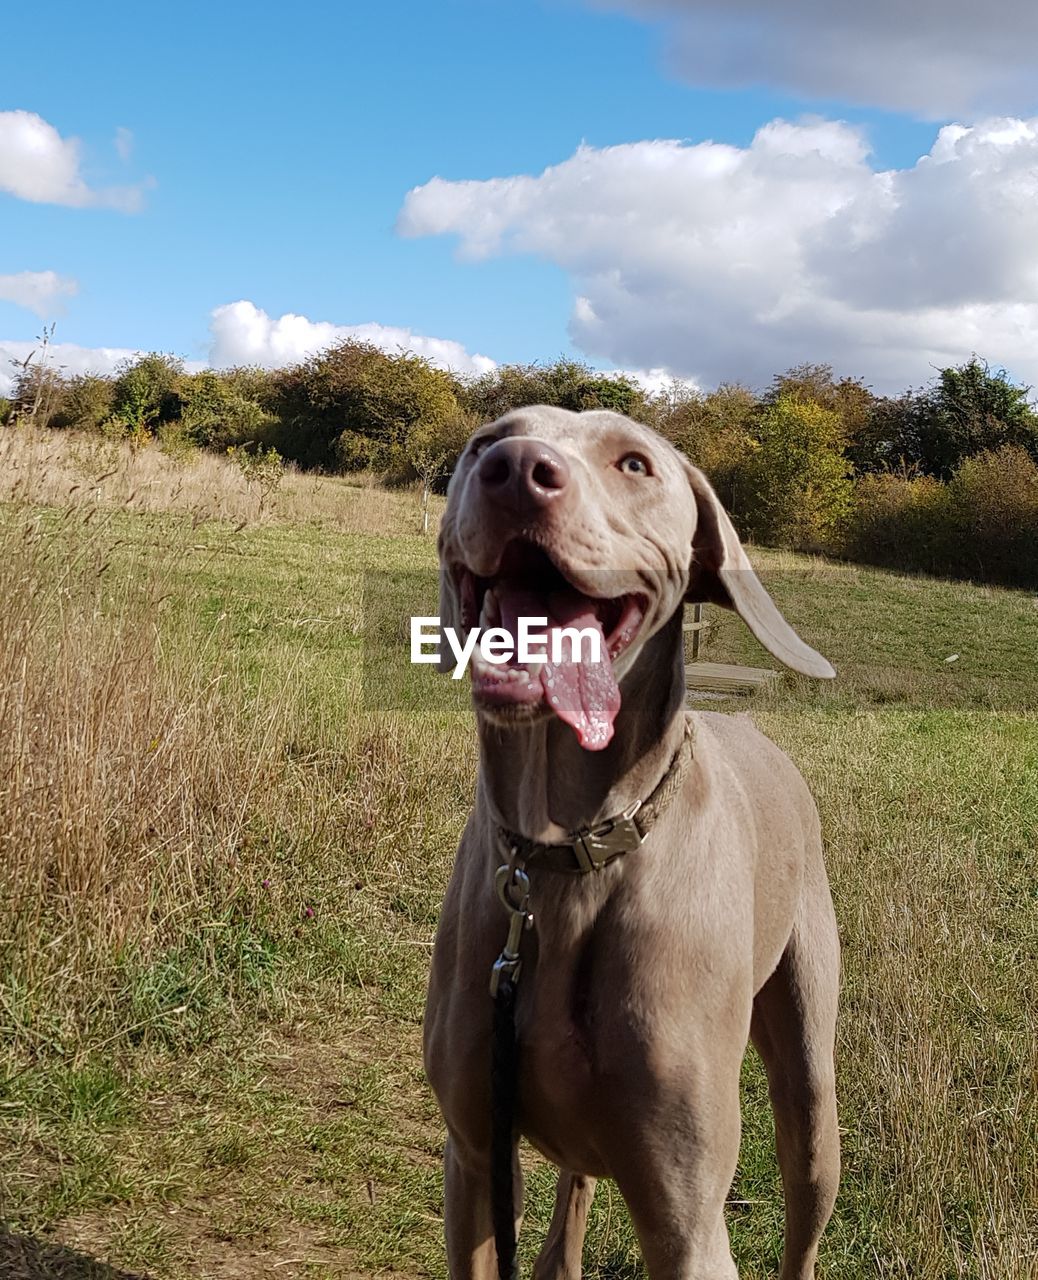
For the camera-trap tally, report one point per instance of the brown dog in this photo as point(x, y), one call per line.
point(643, 979)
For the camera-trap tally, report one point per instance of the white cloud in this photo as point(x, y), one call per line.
point(722, 263)
point(38, 164)
point(123, 143)
point(935, 58)
point(67, 356)
point(37, 290)
point(655, 381)
point(242, 333)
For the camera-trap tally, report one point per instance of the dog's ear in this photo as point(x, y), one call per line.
point(722, 574)
point(450, 616)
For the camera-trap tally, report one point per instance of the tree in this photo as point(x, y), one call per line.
point(432, 450)
point(569, 384)
point(713, 431)
point(429, 463)
point(969, 409)
point(263, 469)
point(616, 392)
point(722, 439)
point(881, 442)
point(849, 398)
point(794, 487)
point(510, 386)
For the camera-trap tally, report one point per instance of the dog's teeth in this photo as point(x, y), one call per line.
point(490, 614)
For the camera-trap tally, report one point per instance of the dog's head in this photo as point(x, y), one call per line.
point(598, 525)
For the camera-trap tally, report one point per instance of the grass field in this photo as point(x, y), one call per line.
point(224, 845)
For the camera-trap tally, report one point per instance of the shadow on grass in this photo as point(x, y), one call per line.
point(25, 1258)
point(615, 1269)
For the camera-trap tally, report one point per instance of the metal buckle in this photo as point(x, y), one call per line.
point(593, 847)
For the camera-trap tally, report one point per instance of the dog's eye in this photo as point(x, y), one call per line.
point(633, 464)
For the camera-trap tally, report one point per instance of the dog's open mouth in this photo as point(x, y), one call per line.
point(583, 636)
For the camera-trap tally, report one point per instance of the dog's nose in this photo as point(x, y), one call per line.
point(523, 474)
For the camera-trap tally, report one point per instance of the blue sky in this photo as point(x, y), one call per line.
point(268, 152)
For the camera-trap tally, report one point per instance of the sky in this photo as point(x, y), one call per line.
point(713, 190)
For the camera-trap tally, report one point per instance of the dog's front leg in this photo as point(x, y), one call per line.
point(469, 1229)
point(677, 1164)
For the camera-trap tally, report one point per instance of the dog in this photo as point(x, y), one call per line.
point(643, 979)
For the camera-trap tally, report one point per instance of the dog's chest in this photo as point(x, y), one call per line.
point(561, 1092)
point(578, 1052)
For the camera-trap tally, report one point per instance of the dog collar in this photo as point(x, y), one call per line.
point(590, 848)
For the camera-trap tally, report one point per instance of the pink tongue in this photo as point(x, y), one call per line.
point(583, 694)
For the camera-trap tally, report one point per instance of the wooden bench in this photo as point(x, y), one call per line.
point(696, 626)
point(718, 677)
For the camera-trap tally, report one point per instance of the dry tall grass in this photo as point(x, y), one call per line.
point(127, 770)
point(61, 468)
point(150, 778)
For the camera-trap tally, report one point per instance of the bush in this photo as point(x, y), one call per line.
point(175, 441)
point(144, 394)
point(357, 388)
point(900, 521)
point(442, 441)
point(565, 384)
point(353, 452)
point(993, 516)
point(215, 412)
point(794, 488)
point(253, 383)
point(37, 395)
point(87, 404)
point(982, 524)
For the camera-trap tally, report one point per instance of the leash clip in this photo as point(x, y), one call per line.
point(513, 888)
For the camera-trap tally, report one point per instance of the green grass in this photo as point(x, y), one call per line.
point(233, 1087)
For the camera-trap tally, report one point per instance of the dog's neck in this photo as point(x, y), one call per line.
point(538, 781)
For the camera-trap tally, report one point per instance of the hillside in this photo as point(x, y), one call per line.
point(228, 826)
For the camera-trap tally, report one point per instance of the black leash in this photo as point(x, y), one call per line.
point(504, 1087)
point(513, 888)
